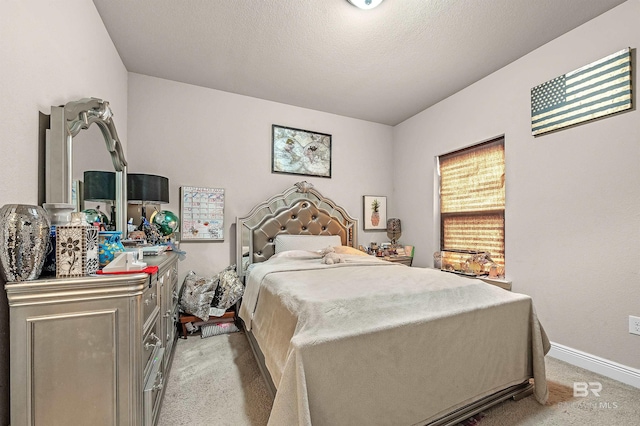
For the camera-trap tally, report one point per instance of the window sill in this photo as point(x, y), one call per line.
point(499, 282)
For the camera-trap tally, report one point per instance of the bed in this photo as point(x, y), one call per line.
point(365, 341)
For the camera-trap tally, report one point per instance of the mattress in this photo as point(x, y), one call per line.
point(373, 342)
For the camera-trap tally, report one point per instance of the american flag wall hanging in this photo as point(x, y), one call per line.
point(595, 90)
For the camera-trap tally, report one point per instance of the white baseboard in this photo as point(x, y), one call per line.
point(611, 369)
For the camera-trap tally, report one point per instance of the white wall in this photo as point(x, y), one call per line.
point(573, 196)
point(51, 53)
point(202, 137)
point(573, 201)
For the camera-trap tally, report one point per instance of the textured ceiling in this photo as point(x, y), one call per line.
point(382, 65)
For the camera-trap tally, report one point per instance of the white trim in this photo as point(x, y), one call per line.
point(611, 369)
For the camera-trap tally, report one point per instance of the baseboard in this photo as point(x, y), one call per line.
point(611, 369)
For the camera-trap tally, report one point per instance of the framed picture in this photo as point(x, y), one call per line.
point(201, 214)
point(375, 212)
point(300, 152)
point(593, 91)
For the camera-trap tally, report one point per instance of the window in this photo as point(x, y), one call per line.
point(472, 195)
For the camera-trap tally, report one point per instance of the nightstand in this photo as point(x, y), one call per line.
point(405, 260)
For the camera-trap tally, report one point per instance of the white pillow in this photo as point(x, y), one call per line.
point(285, 242)
point(299, 254)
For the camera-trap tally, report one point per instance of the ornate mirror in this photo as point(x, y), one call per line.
point(66, 122)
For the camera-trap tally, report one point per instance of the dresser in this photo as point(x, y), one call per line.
point(92, 350)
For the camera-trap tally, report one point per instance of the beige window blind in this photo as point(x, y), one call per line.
point(472, 199)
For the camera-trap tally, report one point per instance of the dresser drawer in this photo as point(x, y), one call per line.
point(171, 334)
point(153, 389)
point(150, 303)
point(165, 275)
point(152, 340)
point(170, 319)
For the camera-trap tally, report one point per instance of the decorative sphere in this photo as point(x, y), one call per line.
point(166, 221)
point(95, 215)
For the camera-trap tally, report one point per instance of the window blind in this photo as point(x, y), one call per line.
point(472, 199)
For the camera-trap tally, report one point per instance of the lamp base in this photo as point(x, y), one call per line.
point(138, 211)
point(112, 221)
point(394, 244)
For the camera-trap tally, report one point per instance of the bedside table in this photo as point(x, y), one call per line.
point(405, 260)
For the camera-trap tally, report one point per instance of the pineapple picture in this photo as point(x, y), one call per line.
point(375, 212)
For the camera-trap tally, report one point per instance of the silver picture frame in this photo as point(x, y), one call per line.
point(300, 152)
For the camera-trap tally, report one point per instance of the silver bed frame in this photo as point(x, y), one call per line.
point(302, 210)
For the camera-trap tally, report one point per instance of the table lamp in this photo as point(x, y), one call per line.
point(394, 230)
point(100, 186)
point(144, 189)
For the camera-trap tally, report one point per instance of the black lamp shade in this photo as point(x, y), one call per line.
point(143, 188)
point(99, 186)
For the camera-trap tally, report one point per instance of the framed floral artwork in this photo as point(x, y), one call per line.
point(375, 212)
point(300, 152)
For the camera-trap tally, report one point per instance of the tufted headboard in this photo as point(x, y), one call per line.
point(300, 210)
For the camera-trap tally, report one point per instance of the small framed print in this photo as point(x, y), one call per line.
point(300, 152)
point(375, 212)
point(201, 214)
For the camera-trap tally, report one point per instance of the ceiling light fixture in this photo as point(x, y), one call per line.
point(365, 4)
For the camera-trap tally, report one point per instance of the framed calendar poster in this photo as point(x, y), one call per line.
point(201, 213)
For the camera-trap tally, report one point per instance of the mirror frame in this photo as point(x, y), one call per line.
point(65, 123)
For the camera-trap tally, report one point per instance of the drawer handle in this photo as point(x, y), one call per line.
point(158, 342)
point(159, 385)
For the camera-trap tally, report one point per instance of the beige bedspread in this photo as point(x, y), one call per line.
point(376, 343)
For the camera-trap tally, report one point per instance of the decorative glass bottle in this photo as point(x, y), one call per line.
point(24, 235)
point(109, 245)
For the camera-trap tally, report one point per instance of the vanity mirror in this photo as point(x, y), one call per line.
point(66, 123)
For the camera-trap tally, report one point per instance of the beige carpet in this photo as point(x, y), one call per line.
point(216, 381)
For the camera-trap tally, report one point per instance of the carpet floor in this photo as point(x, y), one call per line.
point(216, 381)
